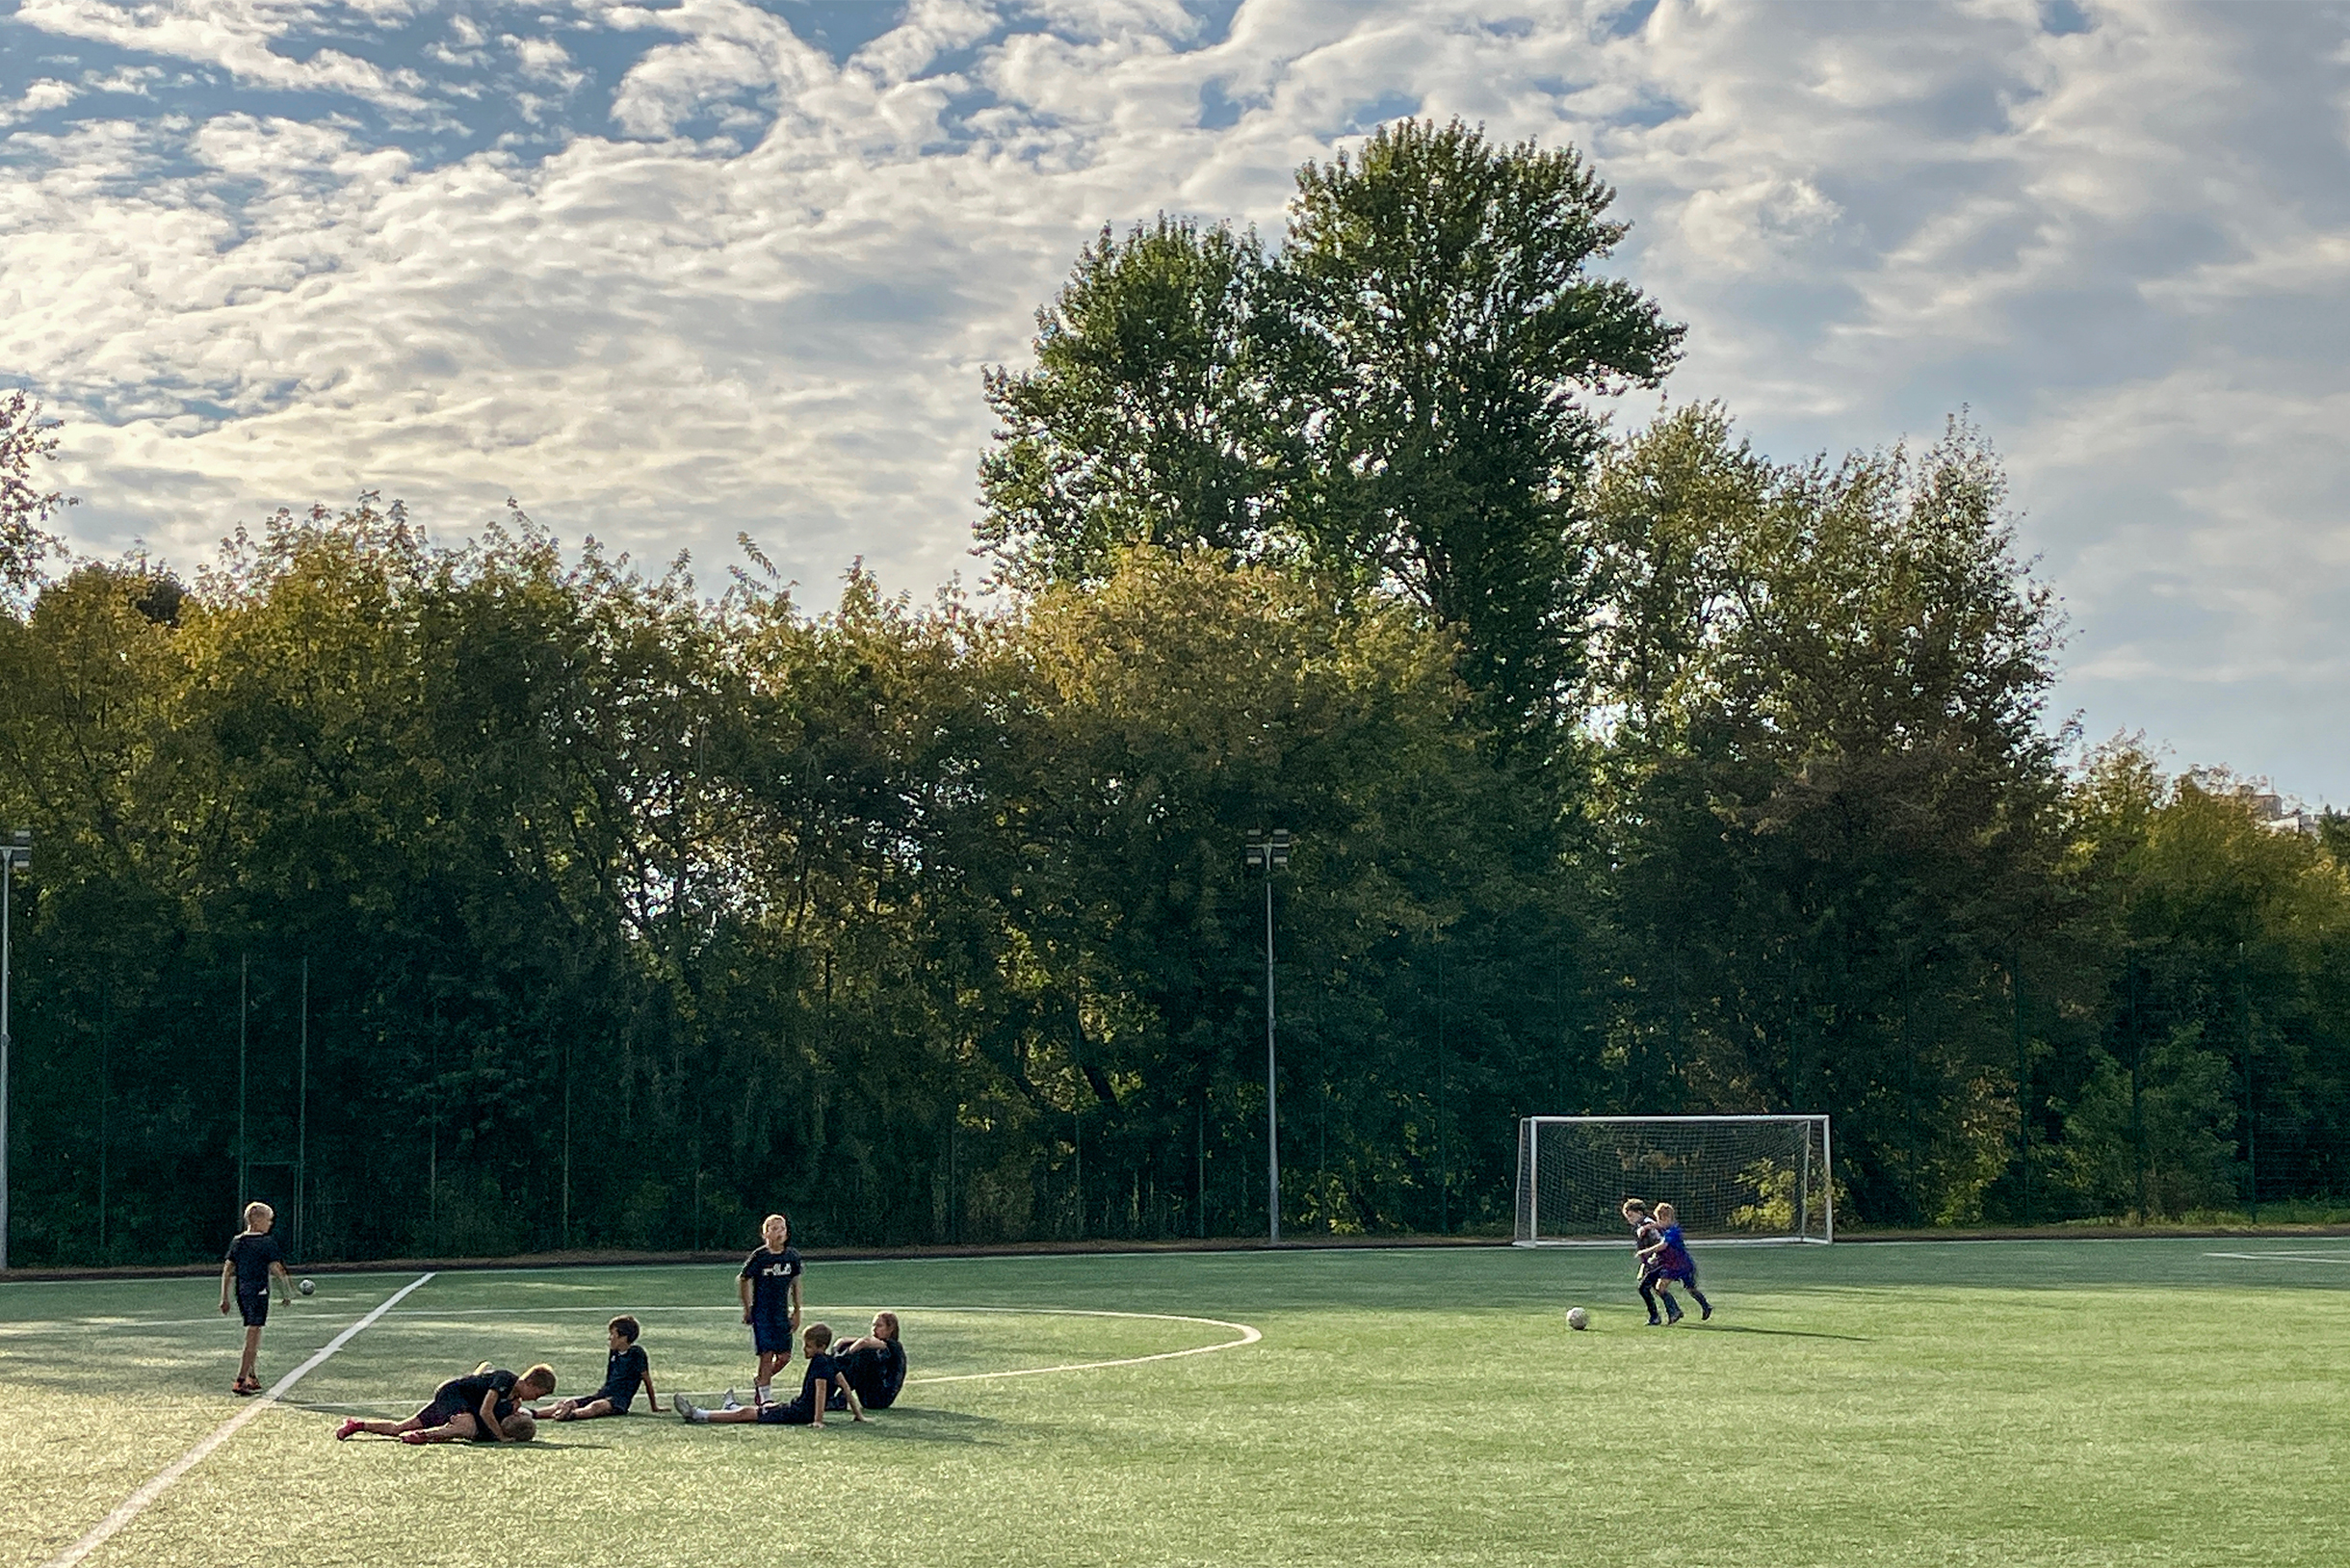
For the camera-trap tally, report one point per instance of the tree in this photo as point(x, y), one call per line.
point(1143, 419)
point(25, 439)
point(1441, 335)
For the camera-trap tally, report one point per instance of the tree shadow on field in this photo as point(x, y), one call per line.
point(1785, 1333)
point(917, 1424)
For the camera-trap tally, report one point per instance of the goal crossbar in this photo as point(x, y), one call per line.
point(1744, 1178)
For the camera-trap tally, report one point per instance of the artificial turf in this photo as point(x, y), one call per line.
point(2089, 1402)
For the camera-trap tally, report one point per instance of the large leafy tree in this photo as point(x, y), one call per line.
point(1442, 334)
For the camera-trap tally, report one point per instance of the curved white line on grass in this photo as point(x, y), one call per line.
point(160, 1483)
point(1247, 1336)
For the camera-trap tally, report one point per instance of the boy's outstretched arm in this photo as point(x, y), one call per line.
point(857, 1406)
point(227, 1272)
point(652, 1400)
point(285, 1282)
point(487, 1415)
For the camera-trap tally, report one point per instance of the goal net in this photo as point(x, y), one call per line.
point(1728, 1178)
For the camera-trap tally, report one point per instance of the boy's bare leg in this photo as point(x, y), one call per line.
point(576, 1410)
point(252, 1352)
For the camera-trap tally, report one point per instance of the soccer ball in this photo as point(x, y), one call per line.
point(1578, 1318)
point(305, 1286)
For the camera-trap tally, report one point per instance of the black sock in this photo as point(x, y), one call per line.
point(1648, 1293)
point(1699, 1297)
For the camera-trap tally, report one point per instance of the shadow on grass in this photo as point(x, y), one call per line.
point(1784, 1333)
point(916, 1425)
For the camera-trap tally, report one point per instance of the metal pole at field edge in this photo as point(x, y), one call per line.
point(1270, 851)
point(244, 975)
point(301, 1126)
point(16, 851)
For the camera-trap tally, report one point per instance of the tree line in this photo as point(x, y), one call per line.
point(1629, 770)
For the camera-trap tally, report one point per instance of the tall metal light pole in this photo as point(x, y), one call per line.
point(15, 851)
point(1270, 852)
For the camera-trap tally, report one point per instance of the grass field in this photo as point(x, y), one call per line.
point(2171, 1402)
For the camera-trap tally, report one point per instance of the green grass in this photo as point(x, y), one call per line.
point(2087, 1403)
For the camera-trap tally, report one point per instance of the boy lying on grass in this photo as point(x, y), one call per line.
point(487, 1405)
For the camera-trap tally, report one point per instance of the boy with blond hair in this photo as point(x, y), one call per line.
point(252, 1257)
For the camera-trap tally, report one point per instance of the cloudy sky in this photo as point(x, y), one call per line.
point(672, 274)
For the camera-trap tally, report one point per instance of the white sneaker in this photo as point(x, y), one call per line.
point(685, 1407)
point(731, 1403)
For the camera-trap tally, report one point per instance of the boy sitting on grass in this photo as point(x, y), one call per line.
point(873, 1366)
point(625, 1367)
point(484, 1405)
point(823, 1378)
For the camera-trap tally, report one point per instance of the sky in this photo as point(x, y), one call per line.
point(673, 275)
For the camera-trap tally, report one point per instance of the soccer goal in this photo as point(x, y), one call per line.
point(1730, 1178)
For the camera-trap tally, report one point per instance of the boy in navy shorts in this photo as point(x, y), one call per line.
point(818, 1386)
point(770, 1286)
point(625, 1370)
point(1670, 1260)
point(484, 1404)
point(252, 1257)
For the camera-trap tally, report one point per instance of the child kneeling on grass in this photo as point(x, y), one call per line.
point(822, 1380)
point(484, 1405)
point(625, 1368)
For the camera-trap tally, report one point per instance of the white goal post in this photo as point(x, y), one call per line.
point(1729, 1177)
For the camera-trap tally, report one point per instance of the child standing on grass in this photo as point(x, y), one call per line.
point(252, 1256)
point(1672, 1264)
point(770, 1286)
point(625, 1369)
point(821, 1383)
point(483, 1404)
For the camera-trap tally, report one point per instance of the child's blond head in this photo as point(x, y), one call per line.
point(885, 1325)
point(537, 1384)
point(776, 1228)
point(1664, 1212)
point(258, 1214)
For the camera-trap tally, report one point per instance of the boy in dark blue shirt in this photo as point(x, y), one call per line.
point(625, 1369)
point(252, 1256)
point(875, 1366)
point(770, 1286)
point(817, 1386)
point(1670, 1261)
point(1645, 1233)
point(481, 1405)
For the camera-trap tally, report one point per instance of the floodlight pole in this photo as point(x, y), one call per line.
point(1270, 851)
point(16, 851)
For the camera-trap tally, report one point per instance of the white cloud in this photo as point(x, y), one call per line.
point(757, 296)
point(234, 35)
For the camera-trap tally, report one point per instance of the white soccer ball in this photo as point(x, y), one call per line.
point(305, 1286)
point(1578, 1318)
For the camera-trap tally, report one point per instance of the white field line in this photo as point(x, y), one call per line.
point(2285, 1257)
point(160, 1483)
point(1247, 1336)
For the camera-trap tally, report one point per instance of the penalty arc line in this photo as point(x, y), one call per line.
point(162, 1480)
point(1248, 1335)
